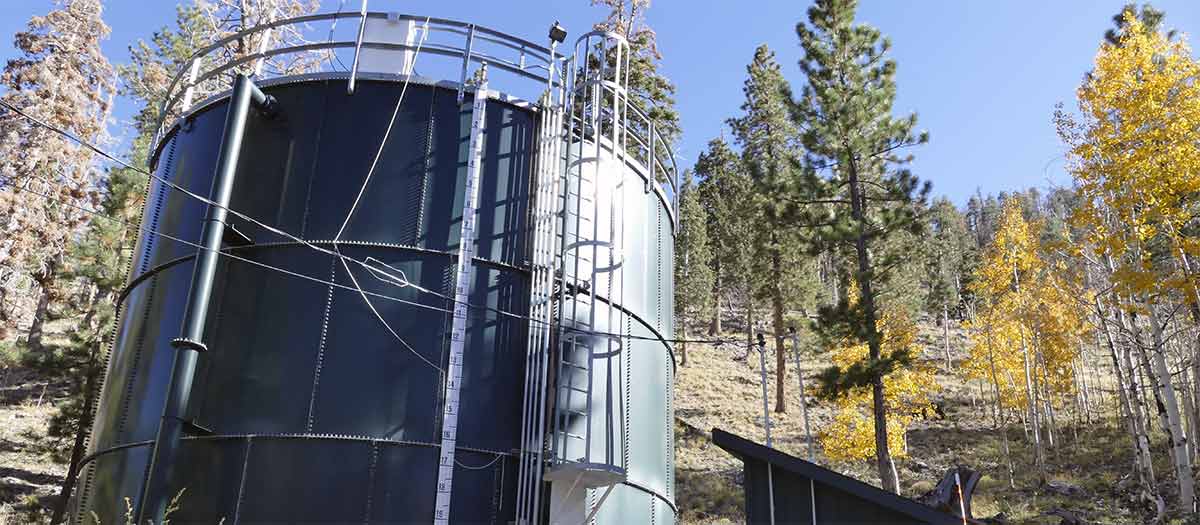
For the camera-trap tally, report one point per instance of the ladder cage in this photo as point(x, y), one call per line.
point(587, 424)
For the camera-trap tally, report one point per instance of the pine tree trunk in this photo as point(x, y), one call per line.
point(1179, 441)
point(714, 326)
point(888, 478)
point(38, 324)
point(777, 321)
point(749, 306)
point(6, 323)
point(683, 344)
point(77, 449)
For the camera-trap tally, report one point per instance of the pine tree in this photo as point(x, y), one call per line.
point(845, 112)
point(1151, 19)
point(950, 254)
point(154, 63)
point(725, 194)
point(768, 140)
point(693, 264)
point(651, 91)
point(63, 79)
point(98, 264)
point(851, 434)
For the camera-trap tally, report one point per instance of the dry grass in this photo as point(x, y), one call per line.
point(31, 469)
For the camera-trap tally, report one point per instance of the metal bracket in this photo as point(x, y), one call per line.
point(234, 237)
point(195, 429)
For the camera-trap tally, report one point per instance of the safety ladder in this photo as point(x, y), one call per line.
point(588, 434)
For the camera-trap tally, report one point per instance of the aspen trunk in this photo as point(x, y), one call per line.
point(1194, 308)
point(714, 325)
point(1131, 401)
point(1041, 385)
point(1001, 425)
point(1179, 440)
point(1039, 456)
point(1189, 412)
point(946, 337)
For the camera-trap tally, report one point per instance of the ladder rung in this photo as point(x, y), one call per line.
point(573, 365)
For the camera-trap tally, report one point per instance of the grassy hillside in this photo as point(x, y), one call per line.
point(1088, 467)
point(31, 465)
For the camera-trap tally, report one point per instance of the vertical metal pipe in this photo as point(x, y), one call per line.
point(803, 396)
point(189, 344)
point(466, 63)
point(762, 369)
point(190, 91)
point(362, 26)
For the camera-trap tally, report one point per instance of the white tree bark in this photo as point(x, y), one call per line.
point(1178, 443)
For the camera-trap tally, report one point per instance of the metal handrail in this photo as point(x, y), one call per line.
point(528, 60)
point(533, 61)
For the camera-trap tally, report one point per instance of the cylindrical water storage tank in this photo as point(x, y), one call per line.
point(322, 393)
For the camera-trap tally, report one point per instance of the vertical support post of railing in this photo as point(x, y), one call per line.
point(466, 63)
point(152, 505)
point(362, 27)
point(263, 45)
point(651, 161)
point(190, 92)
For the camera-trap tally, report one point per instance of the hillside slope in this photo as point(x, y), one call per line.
point(717, 389)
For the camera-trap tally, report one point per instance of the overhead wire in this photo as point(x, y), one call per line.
point(481, 467)
point(176, 187)
point(332, 53)
point(378, 295)
point(310, 245)
point(386, 133)
point(363, 189)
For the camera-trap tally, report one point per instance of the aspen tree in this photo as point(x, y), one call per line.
point(1135, 156)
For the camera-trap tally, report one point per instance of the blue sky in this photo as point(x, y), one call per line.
point(983, 76)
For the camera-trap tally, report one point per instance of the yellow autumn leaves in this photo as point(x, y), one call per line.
point(1030, 314)
point(851, 435)
point(1135, 153)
